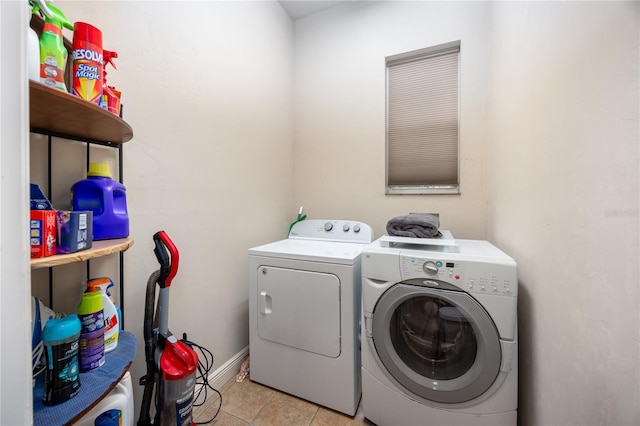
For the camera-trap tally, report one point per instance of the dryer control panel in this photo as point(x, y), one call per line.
point(472, 277)
point(346, 231)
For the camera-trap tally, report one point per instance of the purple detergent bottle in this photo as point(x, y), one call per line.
point(106, 198)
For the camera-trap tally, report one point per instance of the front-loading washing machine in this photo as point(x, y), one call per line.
point(304, 312)
point(439, 333)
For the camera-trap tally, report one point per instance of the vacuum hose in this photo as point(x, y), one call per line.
point(149, 348)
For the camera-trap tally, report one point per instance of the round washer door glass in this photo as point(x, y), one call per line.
point(439, 344)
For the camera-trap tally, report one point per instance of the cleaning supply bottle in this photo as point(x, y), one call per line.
point(53, 54)
point(33, 55)
point(118, 310)
point(106, 198)
point(40, 314)
point(87, 63)
point(91, 343)
point(110, 96)
point(33, 41)
point(111, 318)
point(62, 380)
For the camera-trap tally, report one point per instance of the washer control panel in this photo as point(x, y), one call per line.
point(415, 267)
point(332, 230)
point(472, 277)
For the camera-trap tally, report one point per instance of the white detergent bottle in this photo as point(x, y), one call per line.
point(33, 39)
point(118, 311)
point(111, 317)
point(33, 52)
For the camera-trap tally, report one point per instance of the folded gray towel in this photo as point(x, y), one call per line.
point(415, 225)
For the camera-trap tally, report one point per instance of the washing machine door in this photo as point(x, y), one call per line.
point(438, 343)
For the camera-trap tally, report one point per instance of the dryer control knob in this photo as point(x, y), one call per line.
point(430, 268)
point(328, 226)
point(356, 228)
point(345, 228)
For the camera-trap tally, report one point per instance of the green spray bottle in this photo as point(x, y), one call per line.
point(53, 54)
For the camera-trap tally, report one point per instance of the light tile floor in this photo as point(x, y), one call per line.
point(250, 403)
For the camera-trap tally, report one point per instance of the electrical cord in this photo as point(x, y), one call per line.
point(202, 379)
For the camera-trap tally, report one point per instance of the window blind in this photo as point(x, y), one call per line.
point(422, 119)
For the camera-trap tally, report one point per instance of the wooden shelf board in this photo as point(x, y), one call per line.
point(63, 114)
point(98, 249)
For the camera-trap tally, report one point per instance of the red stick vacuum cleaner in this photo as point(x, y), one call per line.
point(170, 363)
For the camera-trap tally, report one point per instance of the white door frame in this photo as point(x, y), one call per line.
point(16, 400)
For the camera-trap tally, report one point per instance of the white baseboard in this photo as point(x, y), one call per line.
point(228, 370)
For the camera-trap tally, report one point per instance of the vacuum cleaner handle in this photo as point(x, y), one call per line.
point(168, 261)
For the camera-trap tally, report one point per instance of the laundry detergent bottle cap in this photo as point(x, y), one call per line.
point(106, 198)
point(99, 169)
point(111, 317)
point(111, 417)
point(53, 53)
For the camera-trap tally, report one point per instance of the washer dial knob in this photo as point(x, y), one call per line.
point(356, 228)
point(328, 226)
point(430, 268)
point(345, 228)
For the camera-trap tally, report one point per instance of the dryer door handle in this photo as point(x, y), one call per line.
point(265, 303)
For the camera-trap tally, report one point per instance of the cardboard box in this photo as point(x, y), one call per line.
point(39, 201)
point(57, 232)
point(75, 229)
point(43, 233)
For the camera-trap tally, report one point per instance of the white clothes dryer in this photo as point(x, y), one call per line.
point(304, 312)
point(439, 333)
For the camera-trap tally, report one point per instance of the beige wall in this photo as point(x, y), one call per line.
point(549, 170)
point(207, 88)
point(340, 110)
point(563, 200)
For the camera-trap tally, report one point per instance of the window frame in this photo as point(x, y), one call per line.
point(420, 54)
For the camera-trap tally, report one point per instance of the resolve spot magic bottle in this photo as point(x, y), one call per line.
point(87, 63)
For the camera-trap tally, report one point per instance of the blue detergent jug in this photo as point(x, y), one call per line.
point(106, 198)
